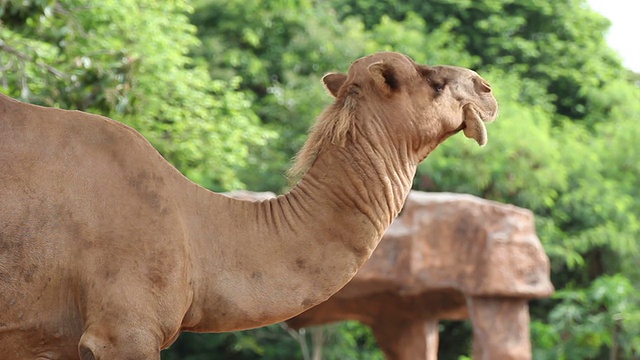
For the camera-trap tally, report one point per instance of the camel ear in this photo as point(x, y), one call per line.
point(333, 82)
point(384, 76)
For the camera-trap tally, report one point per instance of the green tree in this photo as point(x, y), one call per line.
point(279, 50)
point(559, 44)
point(601, 321)
point(129, 60)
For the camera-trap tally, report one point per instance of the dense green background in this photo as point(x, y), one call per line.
point(226, 89)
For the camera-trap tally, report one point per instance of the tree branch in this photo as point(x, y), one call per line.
point(26, 58)
point(300, 338)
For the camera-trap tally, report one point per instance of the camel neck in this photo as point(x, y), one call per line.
point(307, 243)
point(355, 181)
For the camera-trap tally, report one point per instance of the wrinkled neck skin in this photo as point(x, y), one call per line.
point(256, 263)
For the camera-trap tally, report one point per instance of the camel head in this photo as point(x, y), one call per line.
point(427, 103)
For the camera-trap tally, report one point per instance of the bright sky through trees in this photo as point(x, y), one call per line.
point(625, 28)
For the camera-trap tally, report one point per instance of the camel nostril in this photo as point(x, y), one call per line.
point(86, 353)
point(482, 85)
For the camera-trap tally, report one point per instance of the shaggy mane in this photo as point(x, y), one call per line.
point(331, 127)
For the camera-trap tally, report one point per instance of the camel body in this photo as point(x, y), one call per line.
point(107, 251)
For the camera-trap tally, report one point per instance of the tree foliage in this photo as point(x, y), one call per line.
point(226, 90)
point(129, 60)
point(559, 44)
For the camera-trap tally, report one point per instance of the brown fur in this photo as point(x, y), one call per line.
point(108, 252)
point(332, 127)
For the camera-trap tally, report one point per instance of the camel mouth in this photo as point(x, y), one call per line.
point(485, 116)
point(488, 118)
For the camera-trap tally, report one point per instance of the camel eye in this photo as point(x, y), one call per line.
point(436, 81)
point(438, 86)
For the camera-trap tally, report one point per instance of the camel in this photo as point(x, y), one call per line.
point(108, 252)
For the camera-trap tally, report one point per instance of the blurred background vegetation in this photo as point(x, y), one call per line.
point(226, 90)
